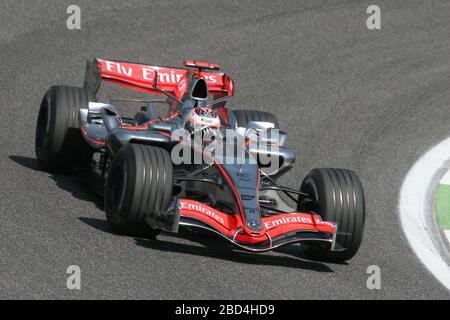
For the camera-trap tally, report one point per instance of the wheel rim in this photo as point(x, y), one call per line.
point(311, 206)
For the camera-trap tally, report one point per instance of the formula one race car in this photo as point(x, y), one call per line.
point(201, 165)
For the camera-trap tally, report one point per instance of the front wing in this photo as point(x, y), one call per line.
point(279, 229)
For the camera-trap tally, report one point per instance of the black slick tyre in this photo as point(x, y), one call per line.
point(59, 143)
point(138, 187)
point(337, 196)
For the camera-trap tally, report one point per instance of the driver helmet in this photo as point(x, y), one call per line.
point(203, 117)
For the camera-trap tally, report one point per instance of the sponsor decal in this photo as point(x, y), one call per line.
point(297, 219)
point(198, 207)
point(287, 220)
point(325, 223)
point(138, 72)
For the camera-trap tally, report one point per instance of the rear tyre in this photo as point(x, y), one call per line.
point(243, 117)
point(59, 143)
point(337, 196)
point(138, 186)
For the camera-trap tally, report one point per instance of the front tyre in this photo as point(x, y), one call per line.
point(337, 196)
point(138, 187)
point(59, 143)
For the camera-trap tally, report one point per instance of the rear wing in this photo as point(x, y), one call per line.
point(141, 77)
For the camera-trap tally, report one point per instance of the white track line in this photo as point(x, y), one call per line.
point(446, 178)
point(417, 208)
point(447, 234)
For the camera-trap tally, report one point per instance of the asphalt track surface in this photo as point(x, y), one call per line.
point(371, 101)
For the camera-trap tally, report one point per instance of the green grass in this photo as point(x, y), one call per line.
point(443, 206)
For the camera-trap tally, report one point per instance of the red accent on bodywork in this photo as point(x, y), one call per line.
point(135, 128)
point(172, 80)
point(228, 85)
point(237, 197)
point(275, 225)
point(201, 65)
point(144, 126)
point(230, 183)
point(223, 114)
point(89, 139)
